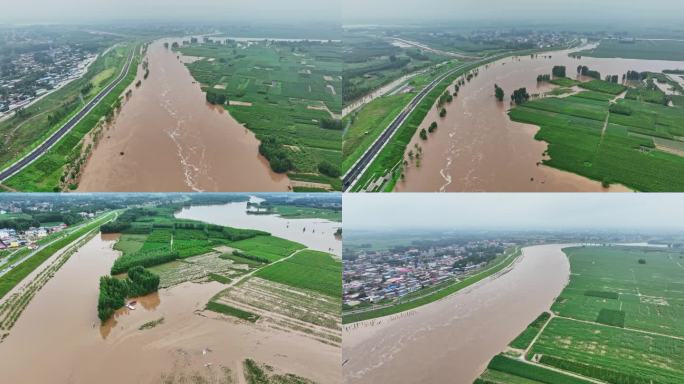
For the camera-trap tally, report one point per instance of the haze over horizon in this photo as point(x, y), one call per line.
point(383, 11)
point(99, 11)
point(518, 211)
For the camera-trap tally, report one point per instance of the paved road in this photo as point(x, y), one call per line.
point(41, 247)
point(55, 137)
point(351, 177)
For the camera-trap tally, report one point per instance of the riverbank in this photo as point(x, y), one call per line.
point(167, 138)
point(464, 327)
point(477, 147)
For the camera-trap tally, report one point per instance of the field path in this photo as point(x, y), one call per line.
point(246, 275)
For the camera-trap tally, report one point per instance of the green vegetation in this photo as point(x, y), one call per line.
point(611, 317)
point(371, 62)
point(392, 154)
point(35, 123)
point(521, 369)
point(241, 258)
point(113, 291)
point(151, 324)
point(269, 247)
point(638, 49)
point(498, 93)
point(624, 151)
point(603, 86)
point(368, 123)
point(610, 354)
point(445, 290)
point(525, 338)
point(231, 311)
point(18, 273)
point(153, 236)
point(297, 212)
point(59, 167)
point(256, 373)
point(286, 92)
point(611, 278)
point(311, 270)
point(618, 320)
point(564, 82)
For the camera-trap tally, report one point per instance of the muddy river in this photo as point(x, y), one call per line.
point(316, 234)
point(168, 138)
point(478, 148)
point(452, 340)
point(59, 339)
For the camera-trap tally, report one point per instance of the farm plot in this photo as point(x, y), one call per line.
point(611, 143)
point(283, 306)
point(619, 320)
point(269, 247)
point(609, 285)
point(200, 268)
point(287, 93)
point(610, 354)
point(310, 270)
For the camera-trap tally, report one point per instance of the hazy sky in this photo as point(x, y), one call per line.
point(360, 11)
point(513, 211)
point(82, 11)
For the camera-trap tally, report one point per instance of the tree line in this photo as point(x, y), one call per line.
point(113, 291)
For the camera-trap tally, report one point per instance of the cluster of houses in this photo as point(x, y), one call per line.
point(35, 74)
point(373, 276)
point(11, 238)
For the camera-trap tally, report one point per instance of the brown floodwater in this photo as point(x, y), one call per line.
point(476, 147)
point(168, 138)
point(453, 339)
point(318, 234)
point(59, 339)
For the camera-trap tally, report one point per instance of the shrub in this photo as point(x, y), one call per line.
point(329, 169)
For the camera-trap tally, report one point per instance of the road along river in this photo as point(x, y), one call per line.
point(59, 339)
point(478, 148)
point(168, 138)
point(453, 339)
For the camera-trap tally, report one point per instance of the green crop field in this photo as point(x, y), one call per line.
point(269, 247)
point(647, 294)
point(47, 173)
point(564, 81)
point(312, 270)
point(604, 86)
point(370, 62)
point(525, 338)
point(129, 243)
point(295, 212)
point(619, 319)
point(518, 372)
point(611, 354)
point(284, 92)
point(639, 49)
point(623, 153)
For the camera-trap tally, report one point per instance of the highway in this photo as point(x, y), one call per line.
point(66, 128)
point(358, 169)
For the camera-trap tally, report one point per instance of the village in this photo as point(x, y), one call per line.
point(32, 75)
point(374, 276)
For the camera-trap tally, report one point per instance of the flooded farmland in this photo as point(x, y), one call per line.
point(318, 234)
point(453, 339)
point(168, 138)
point(478, 148)
point(60, 330)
